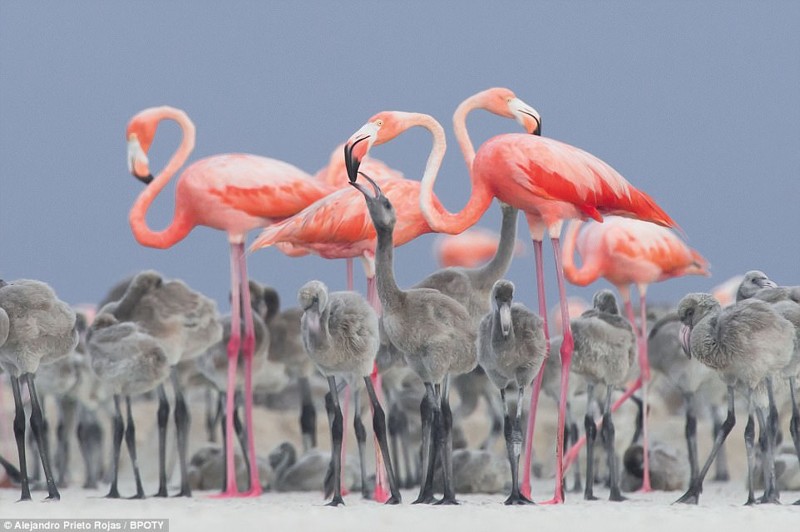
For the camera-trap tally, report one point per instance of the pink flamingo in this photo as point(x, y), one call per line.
point(234, 193)
point(470, 249)
point(548, 180)
point(626, 251)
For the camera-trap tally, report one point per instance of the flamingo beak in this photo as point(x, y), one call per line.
point(767, 283)
point(686, 333)
point(357, 147)
point(312, 319)
point(505, 318)
point(364, 190)
point(138, 164)
point(527, 116)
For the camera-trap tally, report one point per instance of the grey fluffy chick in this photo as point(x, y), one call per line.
point(511, 349)
point(40, 329)
point(605, 348)
point(340, 334)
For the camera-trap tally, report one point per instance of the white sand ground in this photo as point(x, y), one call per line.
point(720, 509)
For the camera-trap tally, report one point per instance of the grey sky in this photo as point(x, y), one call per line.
point(697, 103)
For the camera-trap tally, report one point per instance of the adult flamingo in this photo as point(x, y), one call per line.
point(625, 252)
point(470, 249)
point(339, 226)
point(548, 180)
point(234, 193)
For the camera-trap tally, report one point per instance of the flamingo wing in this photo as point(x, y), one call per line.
point(553, 170)
point(643, 241)
point(341, 216)
point(257, 186)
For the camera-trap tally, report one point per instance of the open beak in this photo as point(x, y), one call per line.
point(686, 333)
point(361, 188)
point(357, 147)
point(138, 164)
point(527, 116)
point(505, 318)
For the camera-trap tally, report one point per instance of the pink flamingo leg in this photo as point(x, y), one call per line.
point(381, 483)
point(566, 360)
point(644, 366)
point(231, 489)
point(525, 487)
point(572, 454)
point(248, 348)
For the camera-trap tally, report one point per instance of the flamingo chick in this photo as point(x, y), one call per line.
point(605, 348)
point(39, 329)
point(746, 343)
point(511, 348)
point(340, 334)
point(436, 336)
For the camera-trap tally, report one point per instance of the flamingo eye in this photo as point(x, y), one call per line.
point(379, 122)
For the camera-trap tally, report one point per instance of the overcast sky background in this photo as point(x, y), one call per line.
point(696, 103)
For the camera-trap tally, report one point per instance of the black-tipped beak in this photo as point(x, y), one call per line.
point(361, 188)
point(538, 129)
point(146, 179)
point(352, 162)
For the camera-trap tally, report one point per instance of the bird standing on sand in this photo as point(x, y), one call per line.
point(436, 336)
point(605, 349)
point(40, 329)
point(548, 180)
point(627, 251)
point(234, 193)
point(340, 334)
point(511, 349)
point(746, 343)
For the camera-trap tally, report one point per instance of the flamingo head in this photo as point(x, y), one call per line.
point(379, 129)
point(753, 281)
point(604, 301)
point(503, 102)
point(691, 309)
point(272, 301)
point(140, 132)
point(503, 294)
point(313, 299)
point(379, 206)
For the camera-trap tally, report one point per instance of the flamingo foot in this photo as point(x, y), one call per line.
point(255, 491)
point(446, 501)
point(336, 501)
point(391, 501)
point(427, 498)
point(554, 500)
point(692, 496)
point(381, 494)
point(56, 497)
point(229, 493)
point(517, 499)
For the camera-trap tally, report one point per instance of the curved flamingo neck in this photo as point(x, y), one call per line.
point(440, 219)
point(180, 225)
point(587, 273)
